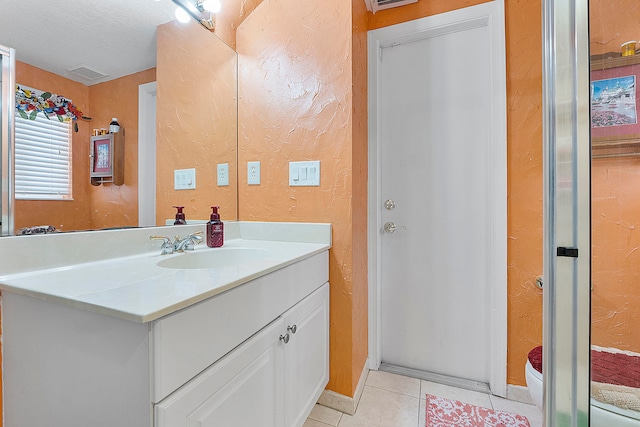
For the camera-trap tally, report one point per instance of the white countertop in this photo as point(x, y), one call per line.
point(135, 288)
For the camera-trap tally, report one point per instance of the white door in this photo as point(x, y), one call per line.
point(441, 173)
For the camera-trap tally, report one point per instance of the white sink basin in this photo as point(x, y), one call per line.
point(214, 258)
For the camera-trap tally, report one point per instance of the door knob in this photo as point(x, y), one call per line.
point(390, 227)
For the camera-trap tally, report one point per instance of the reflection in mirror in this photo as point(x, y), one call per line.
point(107, 55)
point(615, 184)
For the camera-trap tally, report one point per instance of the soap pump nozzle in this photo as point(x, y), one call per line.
point(180, 218)
point(215, 216)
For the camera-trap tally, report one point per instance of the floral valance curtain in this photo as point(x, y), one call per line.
point(30, 102)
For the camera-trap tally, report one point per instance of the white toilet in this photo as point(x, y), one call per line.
point(602, 414)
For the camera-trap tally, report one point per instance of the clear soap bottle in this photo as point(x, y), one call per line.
point(215, 229)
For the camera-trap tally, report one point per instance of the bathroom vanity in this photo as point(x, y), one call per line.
point(151, 340)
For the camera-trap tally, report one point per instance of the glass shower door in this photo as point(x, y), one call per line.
point(615, 190)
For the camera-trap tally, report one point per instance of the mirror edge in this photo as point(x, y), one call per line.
point(7, 92)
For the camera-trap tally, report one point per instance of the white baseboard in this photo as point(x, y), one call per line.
point(342, 403)
point(519, 394)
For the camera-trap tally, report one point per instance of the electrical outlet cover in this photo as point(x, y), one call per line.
point(223, 174)
point(253, 173)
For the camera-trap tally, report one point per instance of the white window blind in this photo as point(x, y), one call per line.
point(42, 158)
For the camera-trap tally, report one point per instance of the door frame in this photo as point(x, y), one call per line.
point(489, 14)
point(147, 154)
point(8, 99)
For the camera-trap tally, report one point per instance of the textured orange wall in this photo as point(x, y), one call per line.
point(295, 86)
point(615, 312)
point(615, 266)
point(232, 14)
point(197, 126)
point(360, 142)
point(117, 205)
point(524, 148)
point(65, 215)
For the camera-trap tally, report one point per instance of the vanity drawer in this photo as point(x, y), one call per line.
point(185, 343)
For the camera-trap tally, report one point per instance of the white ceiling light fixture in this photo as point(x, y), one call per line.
point(202, 11)
point(212, 6)
point(376, 5)
point(182, 15)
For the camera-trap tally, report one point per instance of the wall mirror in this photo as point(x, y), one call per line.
point(172, 86)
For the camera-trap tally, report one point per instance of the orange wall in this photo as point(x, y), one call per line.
point(232, 14)
point(359, 226)
point(524, 163)
point(117, 205)
point(295, 87)
point(65, 215)
point(197, 126)
point(615, 311)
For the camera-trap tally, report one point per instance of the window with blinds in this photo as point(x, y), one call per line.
point(42, 158)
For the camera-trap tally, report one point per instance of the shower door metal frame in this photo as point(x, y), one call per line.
point(567, 213)
point(7, 113)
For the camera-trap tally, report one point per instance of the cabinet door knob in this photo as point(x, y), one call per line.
point(293, 329)
point(285, 338)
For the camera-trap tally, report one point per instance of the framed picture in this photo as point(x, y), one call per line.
point(102, 156)
point(615, 112)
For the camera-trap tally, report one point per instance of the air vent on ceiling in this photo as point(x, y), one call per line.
point(87, 73)
point(376, 5)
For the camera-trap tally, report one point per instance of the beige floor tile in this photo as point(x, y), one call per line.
point(314, 423)
point(392, 382)
point(383, 408)
point(448, 392)
point(532, 413)
point(325, 415)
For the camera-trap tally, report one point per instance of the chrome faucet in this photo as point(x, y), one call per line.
point(187, 244)
point(167, 244)
point(178, 245)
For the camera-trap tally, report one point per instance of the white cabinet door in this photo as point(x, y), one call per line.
point(245, 388)
point(306, 355)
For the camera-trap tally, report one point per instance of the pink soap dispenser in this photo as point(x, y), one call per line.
point(180, 218)
point(215, 229)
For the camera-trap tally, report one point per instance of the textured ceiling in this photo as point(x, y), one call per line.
point(112, 37)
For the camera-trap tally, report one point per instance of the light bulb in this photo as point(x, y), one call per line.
point(182, 15)
point(212, 6)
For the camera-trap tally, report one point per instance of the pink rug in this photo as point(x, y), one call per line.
point(443, 412)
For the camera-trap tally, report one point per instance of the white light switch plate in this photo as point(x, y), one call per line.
point(223, 174)
point(304, 174)
point(253, 173)
point(184, 179)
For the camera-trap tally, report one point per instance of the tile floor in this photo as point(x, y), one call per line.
point(391, 400)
